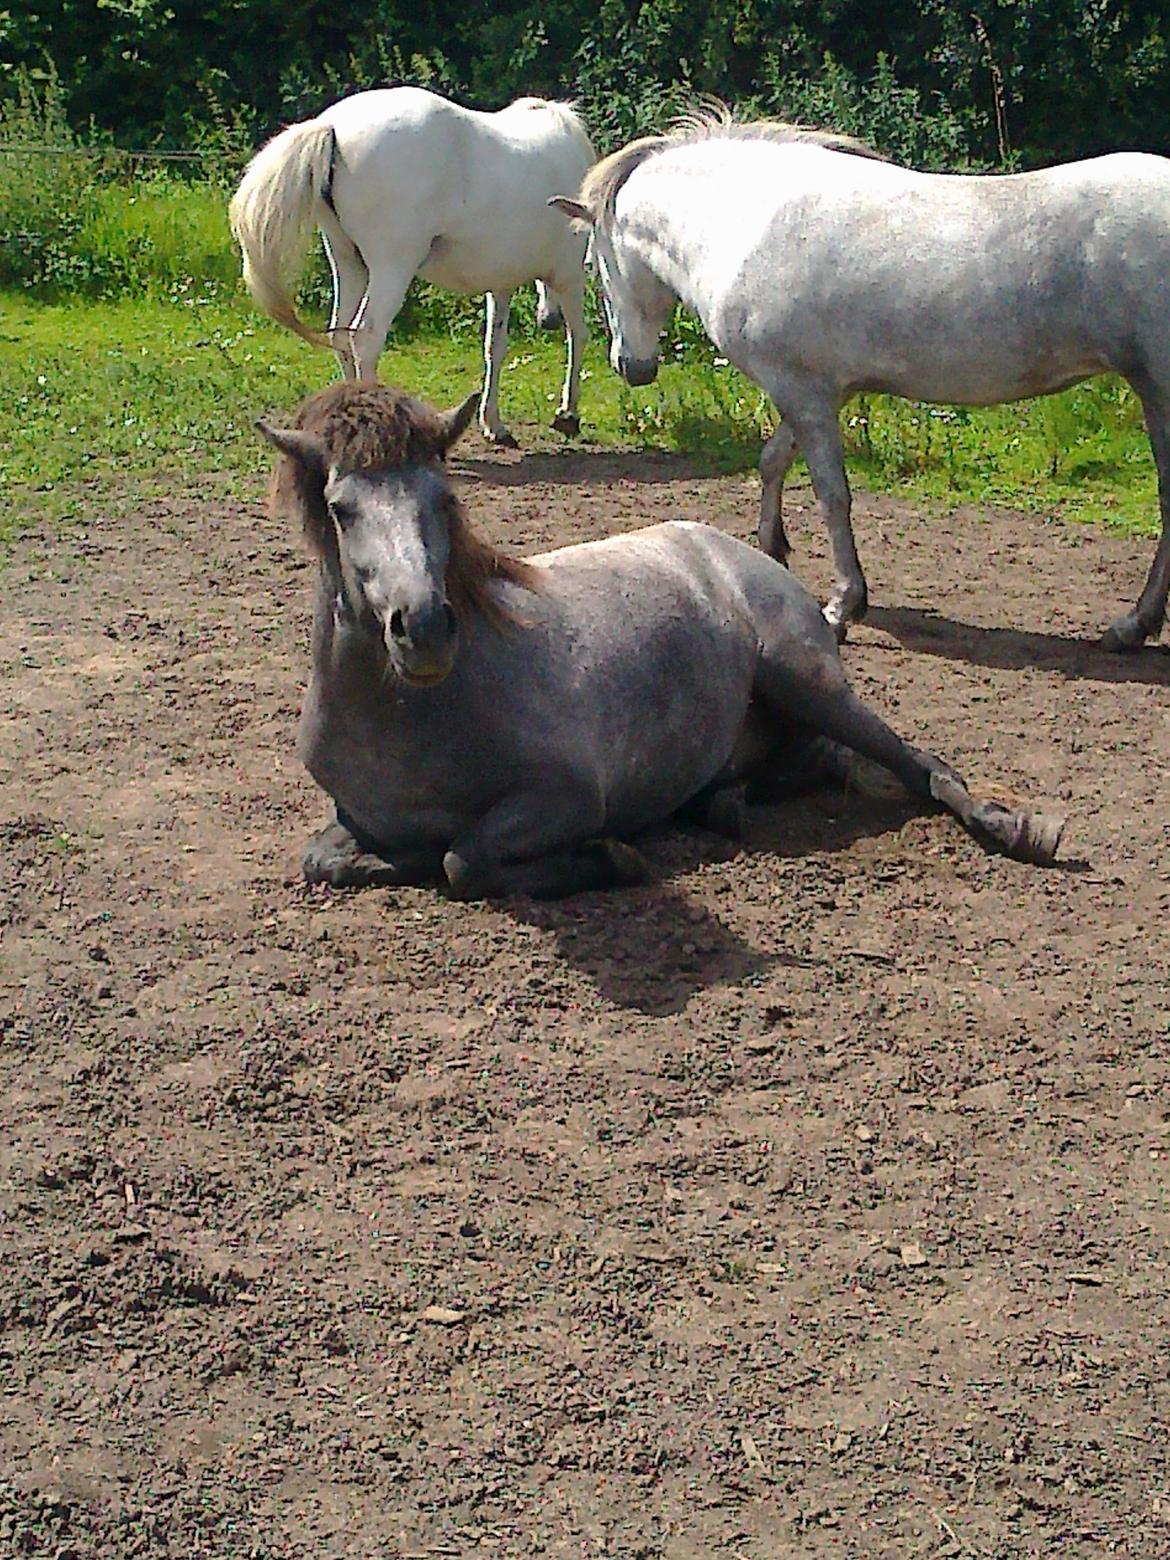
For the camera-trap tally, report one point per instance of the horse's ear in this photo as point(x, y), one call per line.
point(305, 448)
point(455, 421)
point(573, 209)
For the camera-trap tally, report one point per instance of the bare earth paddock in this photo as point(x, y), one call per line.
point(810, 1201)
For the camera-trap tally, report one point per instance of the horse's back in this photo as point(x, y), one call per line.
point(390, 108)
point(676, 571)
point(460, 196)
point(946, 287)
point(527, 127)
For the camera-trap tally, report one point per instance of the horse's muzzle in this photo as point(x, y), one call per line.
point(638, 371)
point(423, 644)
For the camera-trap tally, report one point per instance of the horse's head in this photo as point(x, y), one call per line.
point(364, 467)
point(635, 302)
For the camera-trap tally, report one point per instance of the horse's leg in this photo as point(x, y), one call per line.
point(818, 434)
point(578, 869)
point(384, 298)
point(548, 310)
point(800, 678)
point(1132, 629)
point(350, 280)
point(342, 856)
point(571, 304)
point(495, 346)
point(775, 459)
point(532, 844)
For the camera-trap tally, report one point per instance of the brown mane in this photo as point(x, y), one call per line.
point(711, 121)
point(365, 426)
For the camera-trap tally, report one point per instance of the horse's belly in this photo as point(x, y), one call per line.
point(472, 267)
point(973, 382)
point(451, 266)
point(677, 747)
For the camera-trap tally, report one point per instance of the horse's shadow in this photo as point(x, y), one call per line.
point(651, 949)
point(927, 632)
point(574, 466)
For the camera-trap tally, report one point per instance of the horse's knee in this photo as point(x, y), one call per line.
point(366, 353)
point(773, 539)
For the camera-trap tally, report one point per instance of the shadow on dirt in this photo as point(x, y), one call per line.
point(927, 632)
point(824, 822)
point(576, 467)
point(648, 949)
point(652, 949)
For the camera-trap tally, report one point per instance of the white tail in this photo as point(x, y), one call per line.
point(273, 212)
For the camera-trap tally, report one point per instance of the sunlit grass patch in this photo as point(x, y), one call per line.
point(98, 395)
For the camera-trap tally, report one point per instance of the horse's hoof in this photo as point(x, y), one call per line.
point(1035, 839)
point(1031, 837)
point(1041, 838)
point(627, 867)
point(567, 423)
point(501, 438)
point(1125, 636)
point(872, 779)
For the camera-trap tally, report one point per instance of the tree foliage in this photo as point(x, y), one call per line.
point(982, 83)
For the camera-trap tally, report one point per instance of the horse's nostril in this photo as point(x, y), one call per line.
point(451, 620)
point(397, 624)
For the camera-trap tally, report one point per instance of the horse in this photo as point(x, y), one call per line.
point(508, 725)
point(821, 269)
point(403, 183)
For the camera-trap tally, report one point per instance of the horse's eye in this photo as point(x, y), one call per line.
point(342, 513)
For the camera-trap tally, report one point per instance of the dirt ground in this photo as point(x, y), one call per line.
point(812, 1200)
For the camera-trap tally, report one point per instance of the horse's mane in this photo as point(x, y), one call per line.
point(712, 121)
point(365, 426)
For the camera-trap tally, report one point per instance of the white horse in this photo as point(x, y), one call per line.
point(820, 269)
point(403, 183)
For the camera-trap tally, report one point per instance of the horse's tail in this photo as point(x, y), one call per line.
point(273, 212)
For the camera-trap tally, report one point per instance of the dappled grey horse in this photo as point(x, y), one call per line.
point(820, 269)
point(506, 725)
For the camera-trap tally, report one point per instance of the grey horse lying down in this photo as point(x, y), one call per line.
point(508, 725)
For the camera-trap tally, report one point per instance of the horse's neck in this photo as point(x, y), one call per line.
point(693, 227)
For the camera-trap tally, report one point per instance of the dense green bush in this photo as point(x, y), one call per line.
point(973, 83)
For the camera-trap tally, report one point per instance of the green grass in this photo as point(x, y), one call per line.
point(99, 399)
point(151, 236)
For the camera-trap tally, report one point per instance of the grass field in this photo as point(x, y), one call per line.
point(101, 397)
point(128, 357)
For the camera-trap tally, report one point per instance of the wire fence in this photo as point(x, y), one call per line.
point(24, 149)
